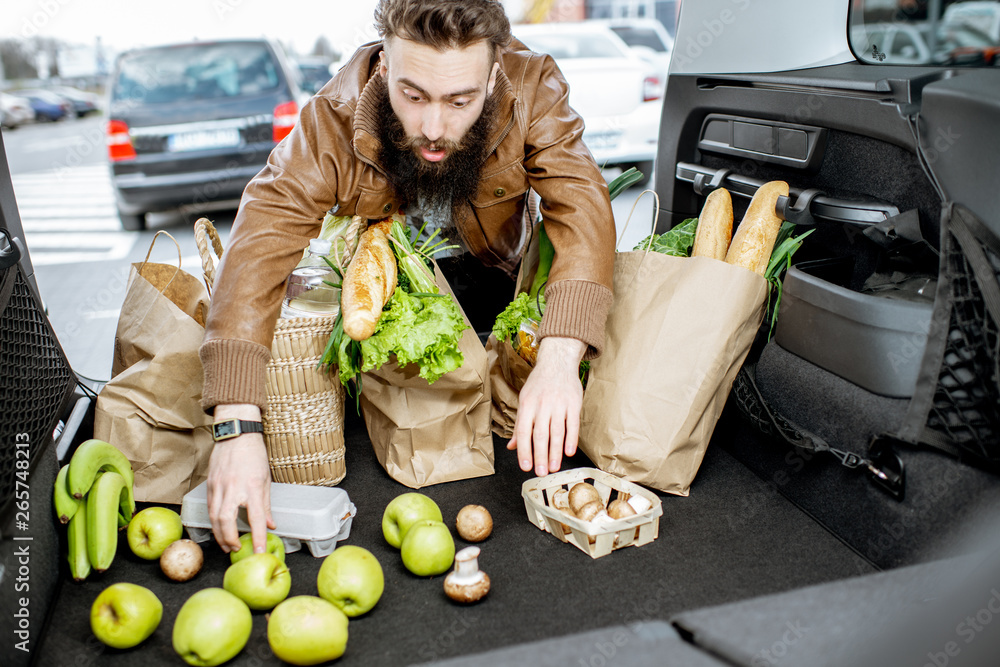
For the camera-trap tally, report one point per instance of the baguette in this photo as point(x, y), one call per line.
point(715, 226)
point(754, 240)
point(368, 284)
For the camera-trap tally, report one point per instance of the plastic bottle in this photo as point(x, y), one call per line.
point(307, 292)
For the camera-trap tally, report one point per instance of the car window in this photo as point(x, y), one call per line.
point(195, 72)
point(580, 45)
point(634, 36)
point(918, 32)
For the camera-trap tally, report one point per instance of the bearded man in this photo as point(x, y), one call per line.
point(451, 119)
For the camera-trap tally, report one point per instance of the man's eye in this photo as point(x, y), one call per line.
point(458, 104)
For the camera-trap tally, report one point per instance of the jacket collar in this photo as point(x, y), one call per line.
point(366, 117)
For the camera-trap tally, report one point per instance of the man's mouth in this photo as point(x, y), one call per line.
point(432, 154)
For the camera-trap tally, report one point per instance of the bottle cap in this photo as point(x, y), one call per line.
point(320, 246)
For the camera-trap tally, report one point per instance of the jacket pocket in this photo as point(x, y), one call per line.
point(505, 185)
point(376, 205)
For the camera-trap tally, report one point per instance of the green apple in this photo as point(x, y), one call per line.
point(152, 530)
point(212, 626)
point(274, 546)
point(123, 615)
point(260, 580)
point(404, 511)
point(307, 630)
point(351, 578)
point(428, 548)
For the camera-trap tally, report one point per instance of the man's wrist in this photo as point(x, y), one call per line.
point(247, 420)
point(561, 350)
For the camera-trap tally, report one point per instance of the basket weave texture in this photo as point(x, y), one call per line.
point(304, 419)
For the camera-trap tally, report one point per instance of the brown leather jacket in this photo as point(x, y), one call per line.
point(330, 160)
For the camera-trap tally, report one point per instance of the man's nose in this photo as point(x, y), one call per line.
point(432, 123)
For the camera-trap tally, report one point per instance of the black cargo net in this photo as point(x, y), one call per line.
point(35, 378)
point(966, 405)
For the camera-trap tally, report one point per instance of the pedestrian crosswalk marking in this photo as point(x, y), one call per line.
point(69, 216)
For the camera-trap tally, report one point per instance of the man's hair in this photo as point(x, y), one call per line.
point(444, 24)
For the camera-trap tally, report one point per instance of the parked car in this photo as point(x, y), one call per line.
point(191, 124)
point(15, 110)
point(618, 94)
point(982, 15)
point(48, 106)
point(648, 38)
point(84, 103)
point(314, 73)
point(901, 43)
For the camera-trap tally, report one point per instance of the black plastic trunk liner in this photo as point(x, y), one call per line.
point(731, 539)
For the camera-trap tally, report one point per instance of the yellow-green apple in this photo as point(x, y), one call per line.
point(211, 627)
point(152, 530)
point(428, 548)
point(274, 546)
point(307, 630)
point(260, 580)
point(352, 579)
point(123, 615)
point(405, 510)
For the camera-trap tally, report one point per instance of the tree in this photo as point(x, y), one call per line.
point(323, 49)
point(18, 61)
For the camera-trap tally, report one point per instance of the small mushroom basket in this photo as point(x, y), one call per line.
point(595, 538)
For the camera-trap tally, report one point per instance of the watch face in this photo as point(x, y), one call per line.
point(225, 429)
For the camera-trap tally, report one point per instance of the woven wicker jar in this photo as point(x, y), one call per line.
point(304, 420)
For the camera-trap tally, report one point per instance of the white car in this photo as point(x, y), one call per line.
point(617, 93)
point(648, 38)
point(15, 111)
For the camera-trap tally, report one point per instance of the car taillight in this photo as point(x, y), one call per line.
point(652, 89)
point(119, 143)
point(285, 115)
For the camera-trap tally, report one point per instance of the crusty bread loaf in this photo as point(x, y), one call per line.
point(715, 226)
point(754, 240)
point(369, 281)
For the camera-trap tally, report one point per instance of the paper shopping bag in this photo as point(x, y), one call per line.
point(425, 434)
point(150, 409)
point(677, 333)
point(508, 373)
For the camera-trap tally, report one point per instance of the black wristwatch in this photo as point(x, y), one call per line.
point(230, 428)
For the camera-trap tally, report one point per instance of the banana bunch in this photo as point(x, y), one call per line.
point(93, 494)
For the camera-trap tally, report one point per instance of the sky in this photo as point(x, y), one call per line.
point(121, 24)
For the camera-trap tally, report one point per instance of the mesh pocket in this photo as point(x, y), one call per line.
point(35, 382)
point(965, 409)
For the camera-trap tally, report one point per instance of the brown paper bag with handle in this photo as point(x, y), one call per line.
point(425, 434)
point(150, 409)
point(678, 331)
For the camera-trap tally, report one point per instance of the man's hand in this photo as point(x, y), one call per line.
point(239, 476)
point(548, 410)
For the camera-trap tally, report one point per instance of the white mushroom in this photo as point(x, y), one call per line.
point(619, 509)
point(474, 523)
point(640, 504)
point(581, 494)
point(467, 583)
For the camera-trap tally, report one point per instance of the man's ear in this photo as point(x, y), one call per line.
point(383, 64)
point(493, 78)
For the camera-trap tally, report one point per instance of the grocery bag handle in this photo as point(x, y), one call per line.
point(656, 217)
point(150, 252)
point(204, 231)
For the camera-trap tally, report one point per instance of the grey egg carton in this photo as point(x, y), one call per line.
point(317, 516)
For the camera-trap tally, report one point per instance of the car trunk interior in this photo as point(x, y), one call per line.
point(843, 138)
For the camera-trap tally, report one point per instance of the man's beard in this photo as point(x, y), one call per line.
point(434, 185)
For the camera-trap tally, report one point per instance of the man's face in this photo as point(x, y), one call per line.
point(437, 95)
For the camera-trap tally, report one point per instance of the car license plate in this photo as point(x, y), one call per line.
point(602, 139)
point(193, 141)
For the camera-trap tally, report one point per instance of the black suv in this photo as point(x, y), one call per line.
point(191, 124)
